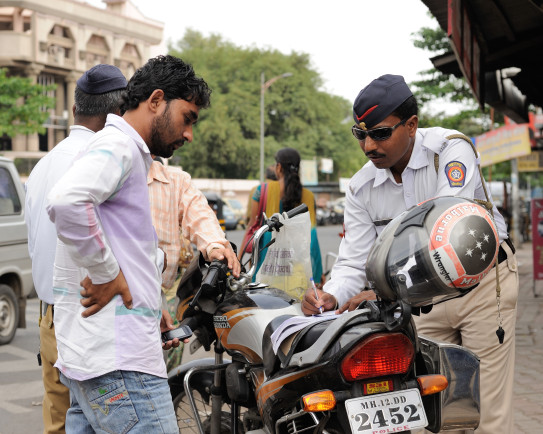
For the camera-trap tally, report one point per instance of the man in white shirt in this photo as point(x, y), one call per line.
point(112, 362)
point(404, 171)
point(98, 92)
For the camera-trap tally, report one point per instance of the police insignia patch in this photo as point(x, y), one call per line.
point(456, 173)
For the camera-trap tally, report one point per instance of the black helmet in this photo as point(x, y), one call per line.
point(437, 250)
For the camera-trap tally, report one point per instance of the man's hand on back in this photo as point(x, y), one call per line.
point(96, 296)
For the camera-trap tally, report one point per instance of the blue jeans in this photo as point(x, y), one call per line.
point(120, 402)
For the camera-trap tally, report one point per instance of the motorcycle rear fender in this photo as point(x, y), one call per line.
point(458, 406)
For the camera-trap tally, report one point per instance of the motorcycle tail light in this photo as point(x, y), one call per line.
point(430, 384)
point(379, 355)
point(323, 400)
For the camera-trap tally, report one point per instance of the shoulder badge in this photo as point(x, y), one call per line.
point(456, 173)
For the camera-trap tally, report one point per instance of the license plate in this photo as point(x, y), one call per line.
point(386, 413)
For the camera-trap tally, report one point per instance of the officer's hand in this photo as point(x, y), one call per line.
point(96, 296)
point(220, 253)
point(310, 305)
point(355, 301)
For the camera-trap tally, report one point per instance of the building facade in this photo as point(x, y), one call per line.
point(55, 41)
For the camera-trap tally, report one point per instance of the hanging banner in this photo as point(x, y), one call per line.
point(531, 163)
point(537, 237)
point(503, 144)
point(308, 172)
point(327, 165)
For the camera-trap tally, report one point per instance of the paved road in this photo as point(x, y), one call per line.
point(21, 387)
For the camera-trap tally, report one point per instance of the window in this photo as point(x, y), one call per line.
point(97, 51)
point(60, 46)
point(9, 199)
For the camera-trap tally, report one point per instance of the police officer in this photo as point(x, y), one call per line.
point(409, 165)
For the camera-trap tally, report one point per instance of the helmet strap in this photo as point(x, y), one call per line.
point(500, 332)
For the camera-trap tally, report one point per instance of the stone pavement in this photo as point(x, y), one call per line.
point(528, 400)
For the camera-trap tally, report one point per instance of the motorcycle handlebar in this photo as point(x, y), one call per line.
point(300, 209)
point(212, 276)
point(209, 281)
point(274, 223)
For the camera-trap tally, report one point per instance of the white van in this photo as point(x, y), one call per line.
point(15, 265)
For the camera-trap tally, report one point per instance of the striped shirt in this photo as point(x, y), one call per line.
point(177, 205)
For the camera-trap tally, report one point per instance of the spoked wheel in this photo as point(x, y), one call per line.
point(185, 417)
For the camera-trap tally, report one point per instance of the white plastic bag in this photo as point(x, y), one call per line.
point(287, 265)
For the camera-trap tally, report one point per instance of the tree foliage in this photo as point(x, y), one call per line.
point(297, 114)
point(23, 105)
point(434, 85)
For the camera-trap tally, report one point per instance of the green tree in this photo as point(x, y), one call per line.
point(297, 114)
point(434, 85)
point(23, 105)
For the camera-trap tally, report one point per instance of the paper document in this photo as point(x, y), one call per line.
point(297, 323)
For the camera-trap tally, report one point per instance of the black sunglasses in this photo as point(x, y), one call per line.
point(378, 134)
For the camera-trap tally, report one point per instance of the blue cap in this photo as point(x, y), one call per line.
point(102, 78)
point(379, 99)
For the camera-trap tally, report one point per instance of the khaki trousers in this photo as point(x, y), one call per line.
point(472, 321)
point(56, 399)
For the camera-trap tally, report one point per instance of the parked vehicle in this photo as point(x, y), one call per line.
point(332, 213)
point(322, 216)
point(239, 210)
point(15, 265)
point(364, 371)
point(337, 209)
point(231, 221)
point(216, 203)
point(225, 214)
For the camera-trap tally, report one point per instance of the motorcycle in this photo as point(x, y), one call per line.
point(322, 216)
point(365, 371)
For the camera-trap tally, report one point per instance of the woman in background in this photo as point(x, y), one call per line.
point(283, 195)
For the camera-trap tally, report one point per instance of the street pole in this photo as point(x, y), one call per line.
point(515, 202)
point(262, 90)
point(263, 86)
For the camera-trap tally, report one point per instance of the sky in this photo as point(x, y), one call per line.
point(350, 42)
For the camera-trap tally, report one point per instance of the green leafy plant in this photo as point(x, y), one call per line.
point(23, 105)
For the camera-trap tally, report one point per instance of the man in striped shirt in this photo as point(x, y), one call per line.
point(180, 212)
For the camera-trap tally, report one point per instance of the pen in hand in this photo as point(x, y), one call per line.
point(316, 293)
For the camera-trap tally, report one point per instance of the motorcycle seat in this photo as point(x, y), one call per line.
point(268, 355)
point(297, 342)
